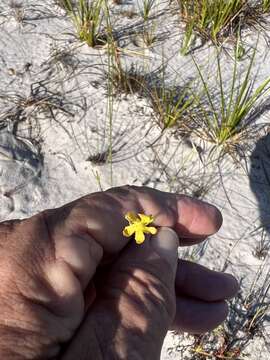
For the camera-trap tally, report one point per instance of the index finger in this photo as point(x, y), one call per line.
point(101, 215)
point(192, 219)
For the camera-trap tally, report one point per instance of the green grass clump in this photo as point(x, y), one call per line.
point(171, 105)
point(211, 19)
point(229, 120)
point(146, 8)
point(87, 18)
point(123, 80)
point(148, 35)
point(127, 81)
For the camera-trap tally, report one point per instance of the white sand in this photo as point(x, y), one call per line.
point(44, 149)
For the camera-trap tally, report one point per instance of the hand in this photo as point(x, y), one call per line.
point(72, 287)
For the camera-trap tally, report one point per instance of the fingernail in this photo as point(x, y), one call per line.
point(166, 243)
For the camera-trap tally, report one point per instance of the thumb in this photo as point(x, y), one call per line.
point(135, 303)
point(166, 243)
point(157, 257)
point(152, 270)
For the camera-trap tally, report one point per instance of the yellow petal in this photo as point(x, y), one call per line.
point(146, 219)
point(131, 217)
point(150, 230)
point(139, 237)
point(128, 231)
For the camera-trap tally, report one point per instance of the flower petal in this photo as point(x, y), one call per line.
point(150, 230)
point(146, 219)
point(128, 231)
point(131, 217)
point(139, 237)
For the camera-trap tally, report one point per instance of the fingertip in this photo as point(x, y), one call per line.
point(204, 284)
point(197, 218)
point(232, 287)
point(218, 314)
point(216, 218)
point(197, 317)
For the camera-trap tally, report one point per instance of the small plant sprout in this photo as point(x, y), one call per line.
point(229, 120)
point(148, 35)
point(87, 18)
point(145, 8)
point(263, 247)
point(171, 105)
point(138, 225)
point(124, 80)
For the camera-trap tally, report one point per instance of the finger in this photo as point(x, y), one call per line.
point(137, 298)
point(197, 317)
point(82, 253)
point(101, 215)
point(196, 219)
point(90, 229)
point(190, 218)
point(199, 282)
point(156, 257)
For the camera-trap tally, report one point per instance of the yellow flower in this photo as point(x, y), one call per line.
point(138, 224)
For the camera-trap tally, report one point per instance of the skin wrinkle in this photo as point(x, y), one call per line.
point(36, 327)
point(151, 283)
point(57, 258)
point(86, 352)
point(171, 210)
point(58, 299)
point(139, 338)
point(99, 321)
point(146, 277)
point(139, 316)
point(42, 250)
point(42, 277)
point(182, 204)
point(115, 293)
point(94, 251)
point(100, 347)
point(24, 270)
point(24, 299)
point(191, 223)
point(20, 345)
point(49, 234)
point(72, 269)
point(20, 288)
point(43, 307)
point(95, 207)
point(149, 297)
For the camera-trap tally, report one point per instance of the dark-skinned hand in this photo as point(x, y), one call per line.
point(72, 287)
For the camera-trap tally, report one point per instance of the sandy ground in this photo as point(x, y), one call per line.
point(55, 137)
